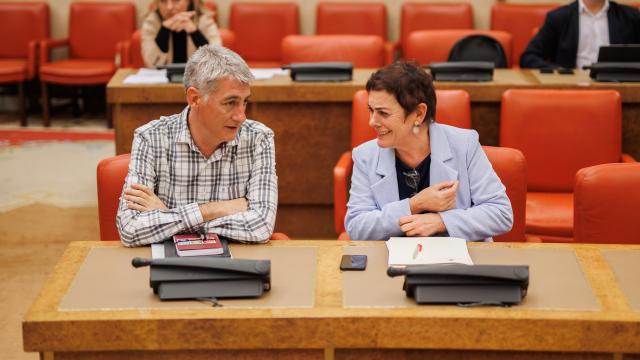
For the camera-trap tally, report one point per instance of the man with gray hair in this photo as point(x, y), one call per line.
point(206, 169)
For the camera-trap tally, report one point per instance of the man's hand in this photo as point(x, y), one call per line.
point(435, 198)
point(422, 224)
point(141, 198)
point(216, 209)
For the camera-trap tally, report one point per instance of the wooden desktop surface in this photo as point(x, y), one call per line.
point(329, 329)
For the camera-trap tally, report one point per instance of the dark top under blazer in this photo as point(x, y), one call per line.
point(556, 44)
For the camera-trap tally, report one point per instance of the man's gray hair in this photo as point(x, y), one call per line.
point(211, 63)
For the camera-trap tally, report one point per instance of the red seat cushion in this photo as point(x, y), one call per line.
point(12, 70)
point(78, 72)
point(550, 213)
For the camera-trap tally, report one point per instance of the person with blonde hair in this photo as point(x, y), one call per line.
point(174, 29)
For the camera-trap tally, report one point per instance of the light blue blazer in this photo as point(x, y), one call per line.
point(482, 207)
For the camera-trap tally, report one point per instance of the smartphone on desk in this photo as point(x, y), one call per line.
point(353, 262)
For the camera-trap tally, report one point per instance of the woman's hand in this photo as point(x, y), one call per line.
point(422, 224)
point(435, 198)
point(141, 198)
point(180, 21)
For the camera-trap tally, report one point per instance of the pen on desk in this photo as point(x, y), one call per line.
point(417, 251)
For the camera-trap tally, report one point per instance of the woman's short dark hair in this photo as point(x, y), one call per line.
point(410, 85)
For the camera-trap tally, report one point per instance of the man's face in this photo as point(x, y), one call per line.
point(223, 111)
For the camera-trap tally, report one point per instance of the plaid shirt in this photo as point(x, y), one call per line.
point(165, 158)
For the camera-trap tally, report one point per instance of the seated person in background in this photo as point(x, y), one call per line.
point(206, 169)
point(573, 34)
point(174, 30)
point(420, 178)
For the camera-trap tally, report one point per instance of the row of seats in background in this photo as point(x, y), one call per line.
point(267, 34)
point(559, 158)
point(99, 31)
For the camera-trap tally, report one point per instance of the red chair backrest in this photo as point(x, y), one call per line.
point(453, 107)
point(560, 132)
point(136, 60)
point(20, 23)
point(260, 27)
point(95, 28)
point(607, 204)
point(519, 20)
point(351, 19)
point(434, 16)
point(365, 51)
point(511, 167)
point(429, 46)
point(111, 174)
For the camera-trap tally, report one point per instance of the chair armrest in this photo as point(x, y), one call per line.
point(279, 236)
point(228, 38)
point(45, 45)
point(123, 53)
point(344, 236)
point(341, 175)
point(32, 59)
point(391, 52)
point(626, 158)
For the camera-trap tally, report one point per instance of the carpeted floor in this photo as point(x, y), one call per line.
point(40, 212)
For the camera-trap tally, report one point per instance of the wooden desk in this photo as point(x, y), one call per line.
point(312, 127)
point(329, 329)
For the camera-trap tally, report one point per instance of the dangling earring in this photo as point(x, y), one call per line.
point(416, 127)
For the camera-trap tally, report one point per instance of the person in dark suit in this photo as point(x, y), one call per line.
point(572, 34)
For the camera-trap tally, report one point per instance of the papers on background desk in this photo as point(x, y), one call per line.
point(264, 74)
point(147, 76)
point(435, 250)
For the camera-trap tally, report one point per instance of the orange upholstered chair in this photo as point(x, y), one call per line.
point(111, 174)
point(354, 19)
point(429, 46)
point(453, 107)
point(94, 30)
point(259, 29)
point(433, 16)
point(511, 167)
point(23, 25)
point(519, 20)
point(607, 204)
point(364, 51)
point(131, 50)
point(559, 132)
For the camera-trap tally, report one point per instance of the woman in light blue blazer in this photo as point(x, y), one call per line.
point(421, 178)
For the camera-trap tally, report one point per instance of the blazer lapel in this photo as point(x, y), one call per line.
point(441, 157)
point(385, 190)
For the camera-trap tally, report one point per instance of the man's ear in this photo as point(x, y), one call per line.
point(194, 98)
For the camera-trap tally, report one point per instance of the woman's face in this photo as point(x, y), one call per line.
point(388, 119)
point(168, 8)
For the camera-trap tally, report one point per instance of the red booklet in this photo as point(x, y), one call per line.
point(198, 244)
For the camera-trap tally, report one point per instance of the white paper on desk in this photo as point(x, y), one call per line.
point(147, 76)
point(435, 250)
point(268, 73)
point(157, 251)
